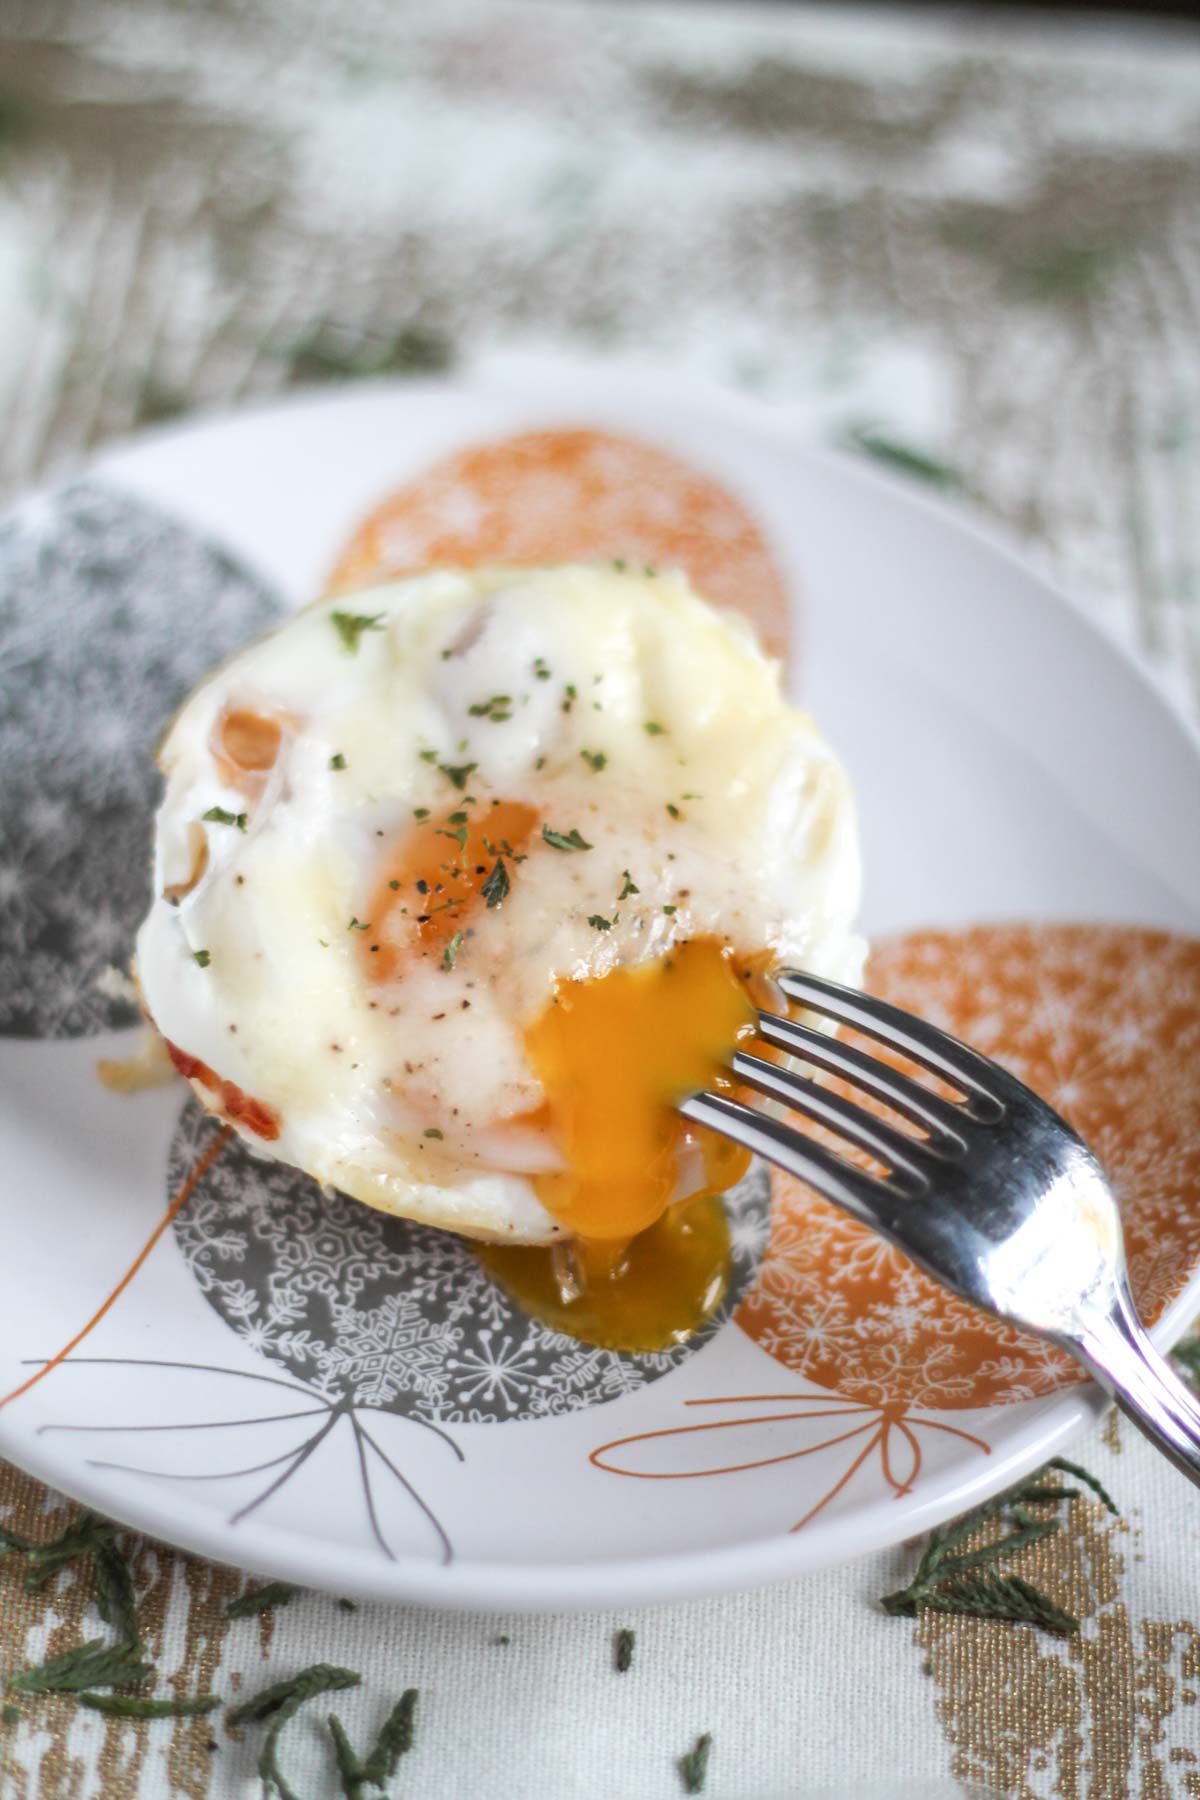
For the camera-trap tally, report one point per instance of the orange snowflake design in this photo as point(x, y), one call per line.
point(563, 496)
point(1104, 1022)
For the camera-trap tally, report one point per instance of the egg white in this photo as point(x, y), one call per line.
point(730, 808)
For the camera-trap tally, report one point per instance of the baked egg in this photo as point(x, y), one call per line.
point(462, 882)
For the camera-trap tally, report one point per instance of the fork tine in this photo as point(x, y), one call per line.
point(914, 1038)
point(900, 1152)
point(864, 1196)
point(941, 1118)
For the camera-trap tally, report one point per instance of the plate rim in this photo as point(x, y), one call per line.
point(476, 1584)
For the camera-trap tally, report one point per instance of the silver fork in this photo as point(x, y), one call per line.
point(993, 1194)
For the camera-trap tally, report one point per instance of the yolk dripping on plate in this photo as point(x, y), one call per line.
point(648, 1294)
point(649, 1260)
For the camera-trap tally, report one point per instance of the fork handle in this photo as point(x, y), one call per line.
point(1122, 1359)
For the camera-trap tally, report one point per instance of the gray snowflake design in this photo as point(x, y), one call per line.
point(109, 613)
point(376, 1312)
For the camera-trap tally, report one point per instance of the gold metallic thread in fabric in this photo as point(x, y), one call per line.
point(40, 1624)
point(1085, 1718)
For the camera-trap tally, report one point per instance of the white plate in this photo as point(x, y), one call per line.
point(1011, 766)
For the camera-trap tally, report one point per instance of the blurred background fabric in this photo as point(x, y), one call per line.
point(967, 246)
point(976, 241)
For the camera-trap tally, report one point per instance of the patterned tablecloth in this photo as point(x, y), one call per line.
point(971, 252)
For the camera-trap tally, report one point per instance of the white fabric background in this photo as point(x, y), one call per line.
point(178, 140)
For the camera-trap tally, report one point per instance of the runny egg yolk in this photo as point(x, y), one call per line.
point(645, 1295)
point(614, 1056)
point(649, 1261)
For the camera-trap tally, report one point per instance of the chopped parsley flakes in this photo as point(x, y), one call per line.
point(202, 957)
point(629, 887)
point(350, 627)
point(565, 840)
point(337, 761)
point(450, 953)
point(457, 775)
point(357, 925)
point(595, 759)
point(498, 709)
point(503, 848)
point(599, 924)
point(652, 728)
point(216, 815)
point(495, 888)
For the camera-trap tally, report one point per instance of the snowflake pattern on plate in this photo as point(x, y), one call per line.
point(1104, 1022)
point(382, 1313)
point(109, 613)
point(572, 496)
